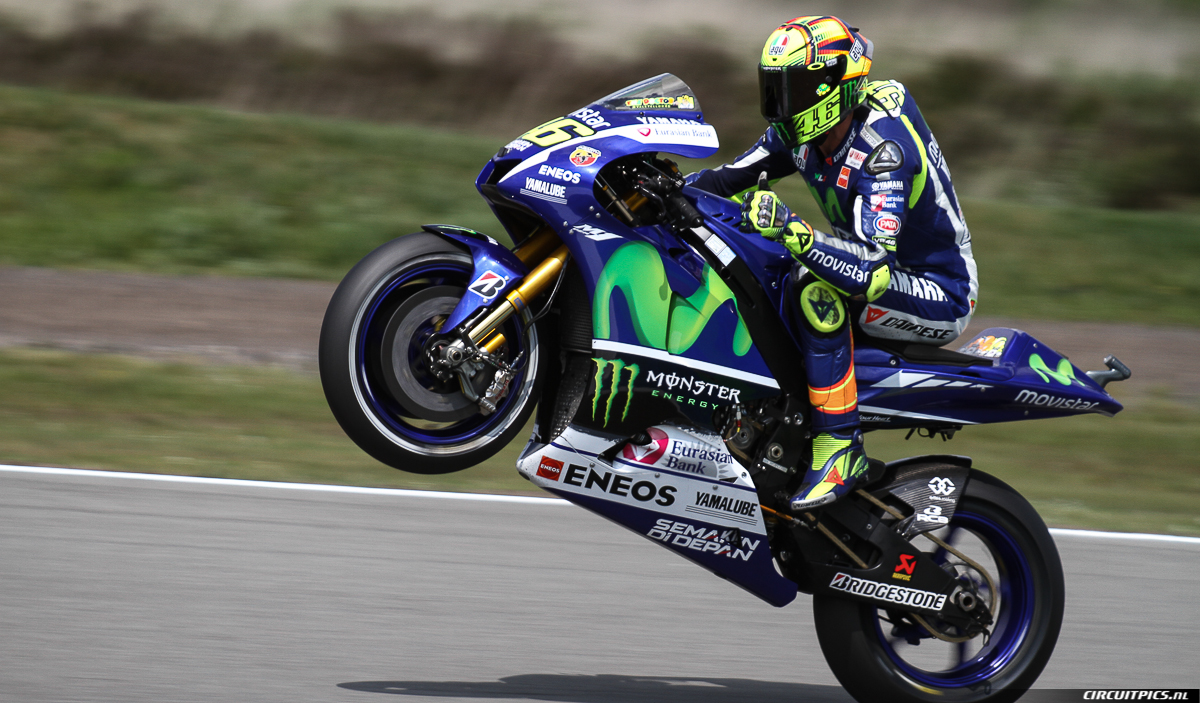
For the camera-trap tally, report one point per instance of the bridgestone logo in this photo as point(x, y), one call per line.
point(911, 597)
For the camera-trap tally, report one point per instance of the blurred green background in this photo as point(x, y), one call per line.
point(167, 142)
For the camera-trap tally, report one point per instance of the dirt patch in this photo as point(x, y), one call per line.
point(264, 321)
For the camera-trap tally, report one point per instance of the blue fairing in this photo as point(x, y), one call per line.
point(491, 259)
point(665, 323)
point(750, 567)
point(1025, 380)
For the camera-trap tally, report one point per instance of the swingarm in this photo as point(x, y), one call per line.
point(861, 549)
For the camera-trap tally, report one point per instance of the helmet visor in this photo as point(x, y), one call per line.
point(802, 102)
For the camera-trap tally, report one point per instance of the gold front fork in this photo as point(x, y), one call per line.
point(535, 283)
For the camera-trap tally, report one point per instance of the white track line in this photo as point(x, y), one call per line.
point(240, 483)
point(488, 497)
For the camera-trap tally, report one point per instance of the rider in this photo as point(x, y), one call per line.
point(898, 260)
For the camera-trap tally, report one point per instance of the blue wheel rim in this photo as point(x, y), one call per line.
point(375, 391)
point(1012, 627)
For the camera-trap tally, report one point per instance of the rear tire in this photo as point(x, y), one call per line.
point(1004, 528)
point(375, 378)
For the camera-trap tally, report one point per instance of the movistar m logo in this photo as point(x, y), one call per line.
point(829, 205)
point(1064, 374)
point(613, 386)
point(661, 318)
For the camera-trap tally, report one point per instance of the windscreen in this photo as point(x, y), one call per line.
point(665, 92)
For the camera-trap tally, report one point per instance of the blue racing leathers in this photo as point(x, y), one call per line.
point(887, 194)
point(898, 259)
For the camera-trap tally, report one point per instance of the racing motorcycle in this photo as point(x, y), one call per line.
point(655, 342)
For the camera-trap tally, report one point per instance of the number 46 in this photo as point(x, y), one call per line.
point(555, 132)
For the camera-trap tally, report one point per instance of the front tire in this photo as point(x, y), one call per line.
point(998, 528)
point(374, 375)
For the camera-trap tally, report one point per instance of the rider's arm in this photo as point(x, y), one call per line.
point(768, 154)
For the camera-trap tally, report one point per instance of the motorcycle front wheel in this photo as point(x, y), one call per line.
point(373, 370)
point(879, 655)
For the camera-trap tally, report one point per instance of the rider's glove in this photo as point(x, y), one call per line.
point(763, 212)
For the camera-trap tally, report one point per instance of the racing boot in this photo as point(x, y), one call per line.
point(838, 462)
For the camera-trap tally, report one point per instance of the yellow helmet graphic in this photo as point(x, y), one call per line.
point(812, 73)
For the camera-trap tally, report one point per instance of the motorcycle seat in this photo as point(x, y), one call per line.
point(924, 353)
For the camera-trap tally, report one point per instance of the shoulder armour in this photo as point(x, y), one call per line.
point(888, 156)
point(886, 96)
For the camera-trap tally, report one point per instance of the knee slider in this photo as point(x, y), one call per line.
point(823, 306)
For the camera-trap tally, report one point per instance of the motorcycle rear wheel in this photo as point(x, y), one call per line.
point(373, 370)
point(996, 527)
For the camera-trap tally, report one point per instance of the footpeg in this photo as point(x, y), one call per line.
point(1117, 372)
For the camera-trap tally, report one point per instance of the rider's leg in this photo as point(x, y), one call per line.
point(916, 308)
point(838, 459)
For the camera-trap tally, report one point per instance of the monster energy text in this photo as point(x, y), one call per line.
point(614, 386)
point(696, 387)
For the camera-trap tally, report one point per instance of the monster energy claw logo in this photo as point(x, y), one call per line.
point(614, 386)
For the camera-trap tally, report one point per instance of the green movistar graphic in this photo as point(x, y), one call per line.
point(662, 318)
point(617, 366)
point(1065, 374)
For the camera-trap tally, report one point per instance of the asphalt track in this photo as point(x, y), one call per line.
point(116, 589)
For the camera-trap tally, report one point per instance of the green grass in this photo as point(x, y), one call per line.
point(1135, 472)
point(110, 183)
point(120, 413)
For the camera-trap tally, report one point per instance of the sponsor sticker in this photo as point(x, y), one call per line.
point(550, 468)
point(621, 485)
point(692, 457)
point(874, 313)
point(829, 261)
point(987, 346)
point(888, 593)
point(914, 328)
point(559, 174)
point(594, 233)
point(592, 118)
point(904, 570)
point(545, 191)
point(487, 285)
point(887, 185)
point(701, 538)
point(669, 120)
point(669, 132)
point(694, 386)
point(843, 179)
point(887, 224)
point(681, 102)
point(647, 453)
point(855, 158)
point(621, 376)
point(714, 502)
point(857, 50)
point(935, 153)
point(779, 46)
point(584, 156)
point(941, 486)
point(933, 514)
point(1055, 402)
point(891, 202)
point(916, 286)
point(518, 145)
